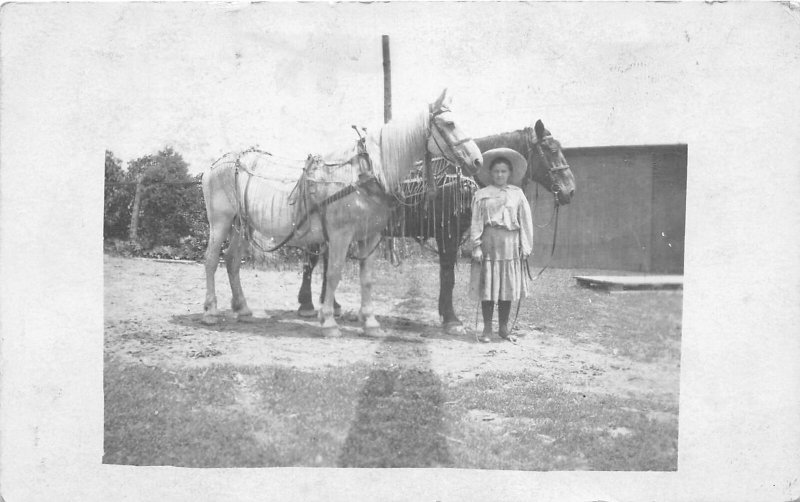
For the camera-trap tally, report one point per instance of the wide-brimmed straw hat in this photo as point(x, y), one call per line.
point(518, 165)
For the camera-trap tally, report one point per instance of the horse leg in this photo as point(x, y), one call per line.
point(233, 262)
point(366, 248)
point(218, 232)
point(447, 244)
point(337, 309)
point(337, 253)
point(304, 298)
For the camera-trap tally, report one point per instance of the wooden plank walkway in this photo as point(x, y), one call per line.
point(630, 282)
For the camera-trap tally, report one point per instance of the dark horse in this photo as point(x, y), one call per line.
point(447, 217)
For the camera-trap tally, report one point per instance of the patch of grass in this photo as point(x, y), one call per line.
point(643, 326)
point(224, 416)
point(374, 416)
point(524, 422)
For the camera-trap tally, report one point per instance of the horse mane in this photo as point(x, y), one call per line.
point(402, 143)
point(512, 139)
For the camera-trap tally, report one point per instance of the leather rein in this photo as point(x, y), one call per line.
point(554, 190)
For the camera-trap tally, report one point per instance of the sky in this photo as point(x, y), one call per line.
point(292, 78)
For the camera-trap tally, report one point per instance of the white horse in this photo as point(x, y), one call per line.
point(346, 197)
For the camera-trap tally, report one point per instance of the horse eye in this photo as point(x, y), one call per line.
point(446, 124)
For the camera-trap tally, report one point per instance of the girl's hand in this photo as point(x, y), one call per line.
point(477, 253)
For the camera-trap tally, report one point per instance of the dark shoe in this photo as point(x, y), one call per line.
point(505, 334)
point(486, 336)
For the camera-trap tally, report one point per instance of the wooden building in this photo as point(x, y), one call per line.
point(628, 212)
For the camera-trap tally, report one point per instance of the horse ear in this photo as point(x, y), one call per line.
point(539, 129)
point(441, 100)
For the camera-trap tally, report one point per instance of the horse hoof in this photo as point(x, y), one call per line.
point(247, 318)
point(510, 338)
point(209, 320)
point(454, 328)
point(301, 312)
point(373, 331)
point(331, 332)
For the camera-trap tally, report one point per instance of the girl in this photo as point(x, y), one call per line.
point(502, 236)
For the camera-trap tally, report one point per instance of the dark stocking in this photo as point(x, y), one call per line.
point(503, 310)
point(488, 310)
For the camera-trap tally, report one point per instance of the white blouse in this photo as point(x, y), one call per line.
point(505, 207)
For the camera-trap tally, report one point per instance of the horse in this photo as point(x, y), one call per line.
point(448, 218)
point(339, 198)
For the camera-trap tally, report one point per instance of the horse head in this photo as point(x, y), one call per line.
point(547, 165)
point(448, 140)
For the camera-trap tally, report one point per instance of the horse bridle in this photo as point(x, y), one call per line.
point(451, 145)
point(551, 169)
point(554, 186)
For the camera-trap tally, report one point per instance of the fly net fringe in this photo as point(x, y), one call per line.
point(449, 213)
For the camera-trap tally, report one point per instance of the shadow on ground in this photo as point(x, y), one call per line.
point(288, 323)
point(399, 419)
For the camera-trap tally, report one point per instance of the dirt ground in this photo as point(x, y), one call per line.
point(153, 311)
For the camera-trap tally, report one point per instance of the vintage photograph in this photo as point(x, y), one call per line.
point(423, 251)
point(443, 237)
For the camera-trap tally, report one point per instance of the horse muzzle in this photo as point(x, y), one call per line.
point(476, 165)
point(471, 167)
point(564, 197)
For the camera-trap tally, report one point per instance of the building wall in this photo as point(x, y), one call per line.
point(669, 210)
point(628, 212)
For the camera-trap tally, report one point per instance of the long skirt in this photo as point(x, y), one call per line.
point(500, 275)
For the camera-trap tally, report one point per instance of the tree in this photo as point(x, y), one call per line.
point(194, 213)
point(117, 199)
point(168, 205)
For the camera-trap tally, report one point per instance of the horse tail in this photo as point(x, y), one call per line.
point(205, 183)
point(218, 183)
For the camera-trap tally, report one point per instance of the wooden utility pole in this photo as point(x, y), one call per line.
point(387, 81)
point(387, 116)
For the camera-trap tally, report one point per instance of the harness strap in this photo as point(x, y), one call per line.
point(241, 203)
point(430, 192)
point(364, 160)
point(248, 228)
point(236, 191)
point(242, 219)
point(344, 192)
point(365, 180)
point(324, 222)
